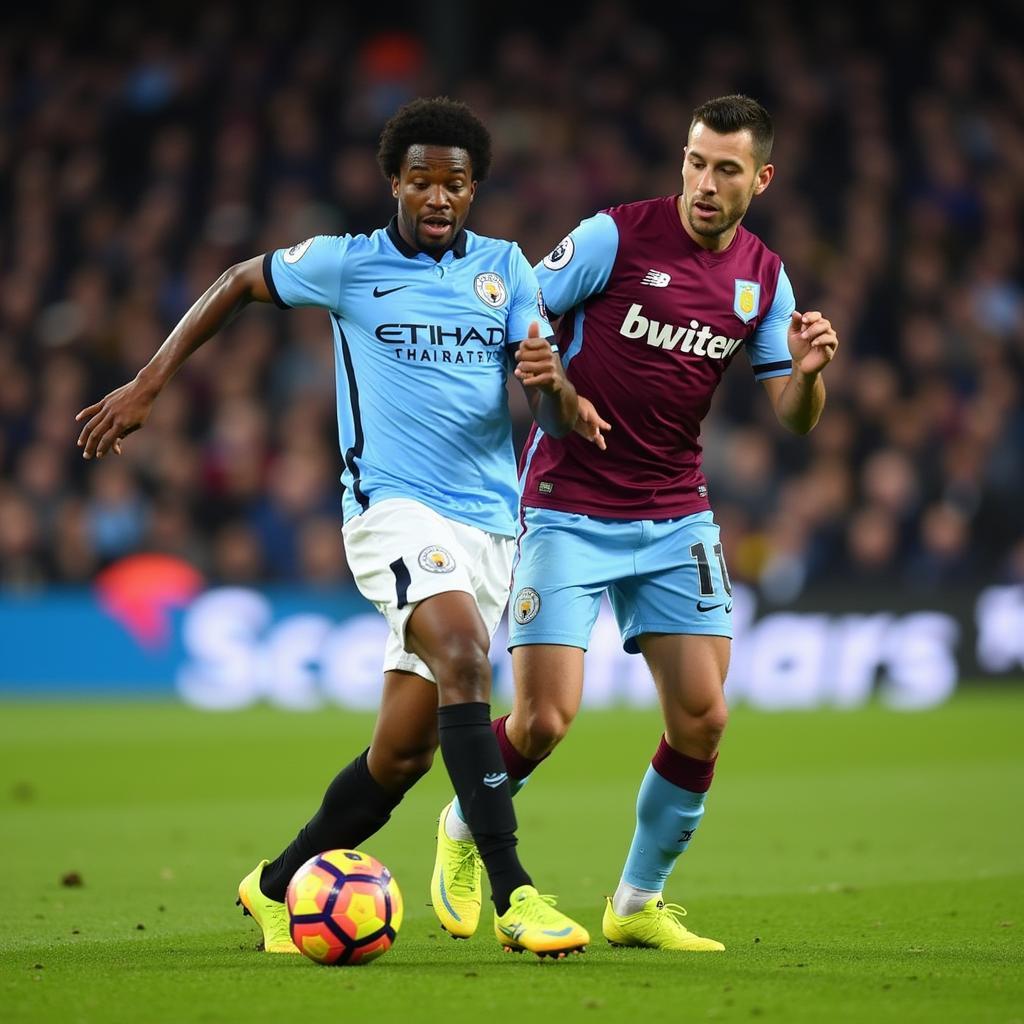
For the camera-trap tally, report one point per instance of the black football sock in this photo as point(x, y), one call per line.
point(355, 806)
point(477, 771)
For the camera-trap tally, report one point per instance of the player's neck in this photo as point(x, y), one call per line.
point(712, 243)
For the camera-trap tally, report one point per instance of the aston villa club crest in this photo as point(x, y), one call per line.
point(491, 289)
point(746, 300)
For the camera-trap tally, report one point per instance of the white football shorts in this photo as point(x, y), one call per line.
point(402, 552)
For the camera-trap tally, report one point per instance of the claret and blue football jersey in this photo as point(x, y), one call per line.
point(650, 321)
point(422, 358)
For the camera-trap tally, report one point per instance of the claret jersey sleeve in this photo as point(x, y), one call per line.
point(580, 265)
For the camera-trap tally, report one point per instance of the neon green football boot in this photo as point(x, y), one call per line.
point(271, 916)
point(532, 922)
point(658, 926)
point(455, 889)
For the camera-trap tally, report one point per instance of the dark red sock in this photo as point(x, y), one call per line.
point(680, 769)
point(517, 766)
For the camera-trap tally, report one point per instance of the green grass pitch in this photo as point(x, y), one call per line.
point(859, 866)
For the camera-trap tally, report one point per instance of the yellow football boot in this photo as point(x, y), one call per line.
point(455, 889)
point(271, 916)
point(532, 922)
point(657, 926)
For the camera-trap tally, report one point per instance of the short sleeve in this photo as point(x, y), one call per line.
point(580, 265)
point(768, 349)
point(526, 304)
point(307, 274)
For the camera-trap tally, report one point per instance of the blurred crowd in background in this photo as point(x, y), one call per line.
point(141, 155)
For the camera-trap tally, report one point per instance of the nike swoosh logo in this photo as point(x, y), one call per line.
point(378, 294)
point(444, 899)
point(702, 607)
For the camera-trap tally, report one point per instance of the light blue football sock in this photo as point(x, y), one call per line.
point(513, 784)
point(666, 818)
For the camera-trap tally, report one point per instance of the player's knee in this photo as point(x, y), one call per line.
point(409, 766)
point(462, 670)
point(397, 770)
point(545, 729)
point(709, 726)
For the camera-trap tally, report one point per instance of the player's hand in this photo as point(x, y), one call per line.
point(812, 342)
point(589, 424)
point(114, 417)
point(538, 365)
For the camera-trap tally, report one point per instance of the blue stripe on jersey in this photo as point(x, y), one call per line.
point(576, 345)
point(573, 350)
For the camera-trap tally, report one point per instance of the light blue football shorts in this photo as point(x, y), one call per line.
point(662, 576)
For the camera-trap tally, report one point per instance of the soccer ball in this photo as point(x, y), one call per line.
point(344, 908)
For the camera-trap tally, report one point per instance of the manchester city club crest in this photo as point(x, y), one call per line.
point(491, 288)
point(526, 605)
point(436, 559)
point(746, 300)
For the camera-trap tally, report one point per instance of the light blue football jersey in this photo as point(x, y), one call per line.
point(423, 349)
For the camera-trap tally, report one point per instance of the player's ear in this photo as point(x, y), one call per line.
point(394, 185)
point(764, 177)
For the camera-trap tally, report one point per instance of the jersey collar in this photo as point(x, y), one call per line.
point(457, 248)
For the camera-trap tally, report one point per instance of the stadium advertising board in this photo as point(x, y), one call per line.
point(162, 633)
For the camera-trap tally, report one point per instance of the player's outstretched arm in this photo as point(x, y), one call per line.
point(799, 398)
point(551, 396)
point(127, 408)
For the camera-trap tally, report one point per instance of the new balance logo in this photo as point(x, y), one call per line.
point(698, 338)
point(495, 779)
point(656, 279)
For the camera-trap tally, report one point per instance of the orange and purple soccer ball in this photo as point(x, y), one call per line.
point(345, 908)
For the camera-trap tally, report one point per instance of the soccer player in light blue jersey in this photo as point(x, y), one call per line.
point(428, 320)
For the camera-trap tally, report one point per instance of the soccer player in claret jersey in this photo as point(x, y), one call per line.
point(655, 298)
point(427, 319)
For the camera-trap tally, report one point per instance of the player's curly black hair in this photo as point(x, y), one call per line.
point(434, 122)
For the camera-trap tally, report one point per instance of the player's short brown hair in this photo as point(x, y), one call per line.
point(737, 113)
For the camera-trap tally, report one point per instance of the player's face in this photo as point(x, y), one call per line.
point(720, 177)
point(434, 192)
